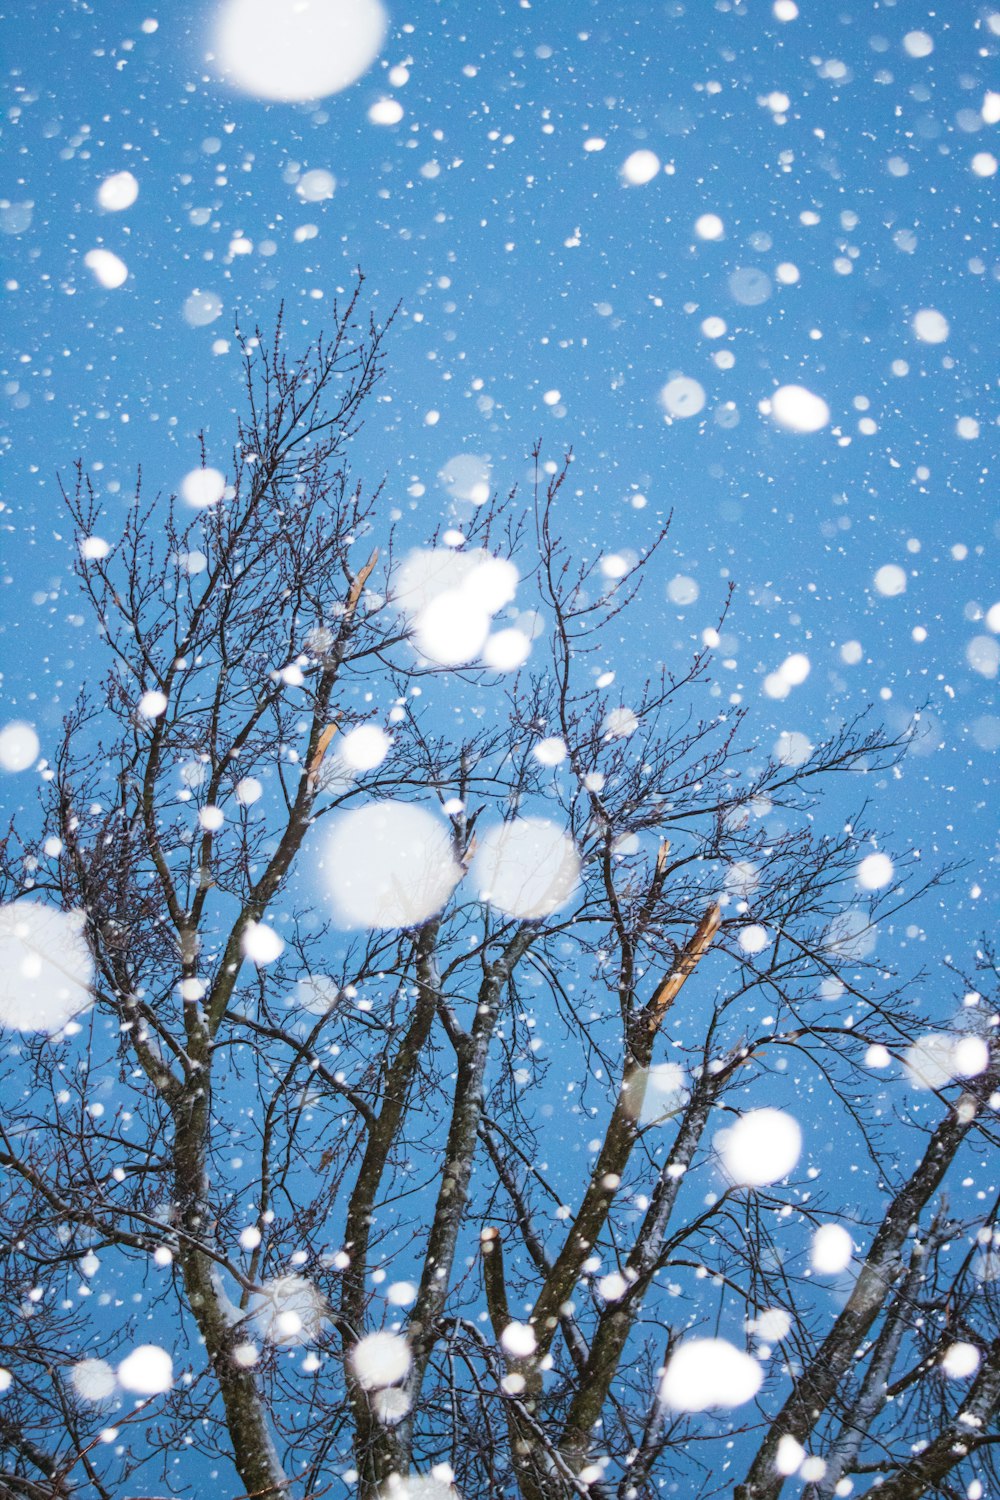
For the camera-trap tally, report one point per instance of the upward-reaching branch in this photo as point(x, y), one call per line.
point(619, 1137)
point(815, 1387)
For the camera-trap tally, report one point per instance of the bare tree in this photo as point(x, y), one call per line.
point(488, 1131)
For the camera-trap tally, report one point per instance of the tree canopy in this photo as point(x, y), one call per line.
point(445, 1040)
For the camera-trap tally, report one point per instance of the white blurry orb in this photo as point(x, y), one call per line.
point(749, 286)
point(984, 164)
point(518, 1339)
point(613, 1286)
point(663, 1088)
point(261, 944)
point(506, 650)
point(967, 428)
point(795, 669)
point(418, 1487)
point(526, 868)
point(211, 818)
point(203, 487)
point(388, 864)
point(929, 1061)
point(108, 269)
point(306, 50)
point(15, 218)
point(449, 597)
point(365, 747)
point(986, 1266)
point(317, 993)
point(877, 1056)
point(641, 167)
point(831, 1250)
point(386, 112)
point(148, 1371)
point(773, 1325)
point(787, 273)
point(390, 1404)
point(709, 227)
point(741, 878)
point(983, 655)
point(851, 935)
point(799, 410)
point(46, 968)
point(785, 10)
point(615, 565)
point(713, 327)
point(467, 477)
point(93, 1379)
point(452, 629)
point(918, 44)
point(201, 308)
point(19, 746)
point(703, 1373)
point(402, 1293)
point(890, 580)
point(762, 1147)
point(792, 748)
point(380, 1359)
point(493, 581)
point(248, 791)
point(319, 640)
point(875, 871)
point(94, 548)
point(117, 192)
point(970, 1057)
point(550, 751)
point(991, 108)
point(316, 186)
point(930, 326)
point(289, 1310)
point(682, 590)
point(960, 1360)
point(683, 396)
point(619, 723)
point(153, 704)
point(753, 939)
point(427, 572)
point(851, 652)
point(788, 1455)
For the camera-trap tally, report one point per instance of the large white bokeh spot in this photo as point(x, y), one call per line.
point(294, 50)
point(388, 864)
point(762, 1147)
point(527, 868)
point(46, 969)
point(706, 1373)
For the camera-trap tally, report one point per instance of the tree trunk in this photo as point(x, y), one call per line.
point(253, 1449)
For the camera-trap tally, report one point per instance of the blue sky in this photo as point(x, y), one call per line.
point(541, 294)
